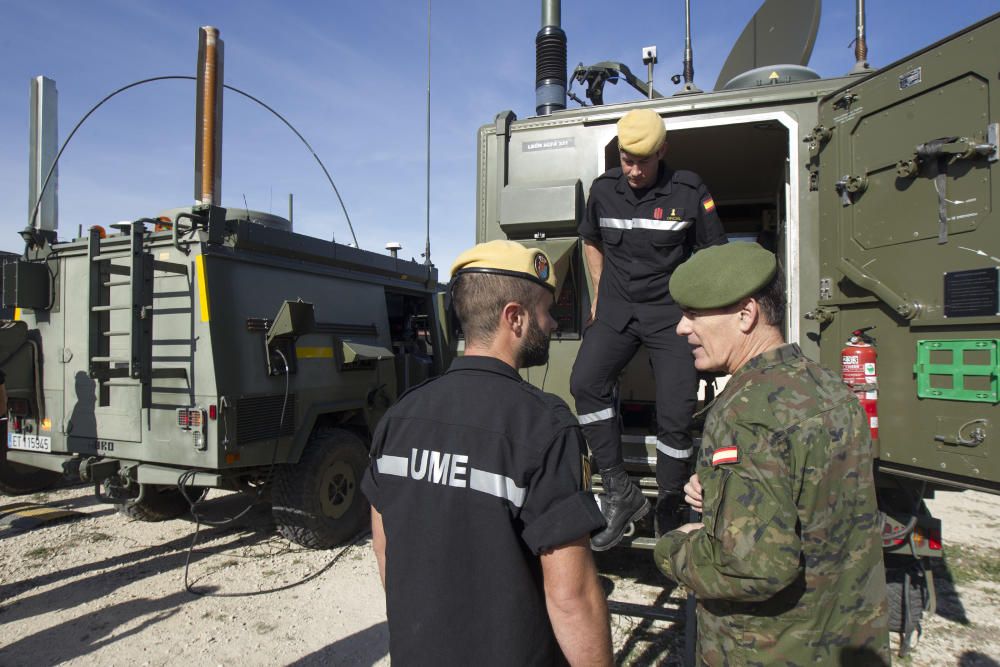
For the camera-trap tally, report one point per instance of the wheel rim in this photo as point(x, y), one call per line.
point(337, 489)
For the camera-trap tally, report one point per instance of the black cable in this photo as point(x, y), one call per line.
point(48, 176)
point(189, 475)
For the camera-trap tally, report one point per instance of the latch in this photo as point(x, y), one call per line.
point(850, 186)
point(819, 136)
point(822, 314)
point(846, 100)
point(939, 153)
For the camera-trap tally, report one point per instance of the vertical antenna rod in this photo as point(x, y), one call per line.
point(427, 246)
point(208, 124)
point(860, 41)
point(688, 52)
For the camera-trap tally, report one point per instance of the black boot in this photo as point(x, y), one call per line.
point(671, 512)
point(621, 505)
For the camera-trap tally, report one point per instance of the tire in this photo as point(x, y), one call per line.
point(895, 580)
point(158, 503)
point(17, 479)
point(317, 502)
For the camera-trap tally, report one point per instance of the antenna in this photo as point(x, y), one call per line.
point(689, 86)
point(861, 65)
point(427, 246)
point(781, 32)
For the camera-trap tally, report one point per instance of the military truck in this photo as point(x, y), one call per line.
point(874, 190)
point(209, 347)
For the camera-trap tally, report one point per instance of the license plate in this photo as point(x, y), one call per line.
point(29, 442)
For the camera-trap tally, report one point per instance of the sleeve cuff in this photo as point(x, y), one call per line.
point(664, 551)
point(370, 488)
point(567, 520)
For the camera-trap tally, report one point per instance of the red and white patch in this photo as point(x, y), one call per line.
point(726, 455)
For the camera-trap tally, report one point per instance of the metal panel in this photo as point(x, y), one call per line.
point(885, 253)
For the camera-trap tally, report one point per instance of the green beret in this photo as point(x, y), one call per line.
point(721, 275)
point(641, 132)
point(506, 258)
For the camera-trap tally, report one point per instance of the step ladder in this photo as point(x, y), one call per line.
point(133, 365)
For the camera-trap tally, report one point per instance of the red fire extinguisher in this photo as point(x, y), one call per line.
point(857, 370)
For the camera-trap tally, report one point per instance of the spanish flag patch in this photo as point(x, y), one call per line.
point(726, 455)
point(709, 205)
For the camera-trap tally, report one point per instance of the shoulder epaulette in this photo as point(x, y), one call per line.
point(688, 178)
point(613, 174)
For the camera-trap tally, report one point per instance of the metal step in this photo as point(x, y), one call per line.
point(672, 614)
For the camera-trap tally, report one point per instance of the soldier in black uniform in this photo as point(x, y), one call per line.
point(481, 514)
point(643, 219)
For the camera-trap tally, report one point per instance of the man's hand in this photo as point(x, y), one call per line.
point(692, 493)
point(689, 527)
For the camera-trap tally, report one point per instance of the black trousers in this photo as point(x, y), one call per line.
point(603, 355)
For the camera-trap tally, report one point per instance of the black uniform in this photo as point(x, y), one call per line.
point(475, 474)
point(644, 236)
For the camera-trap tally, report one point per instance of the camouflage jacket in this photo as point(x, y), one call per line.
point(788, 567)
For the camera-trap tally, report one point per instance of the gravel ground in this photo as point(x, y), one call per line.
point(99, 588)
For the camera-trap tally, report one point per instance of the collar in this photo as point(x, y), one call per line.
point(779, 355)
point(487, 364)
point(662, 186)
point(776, 357)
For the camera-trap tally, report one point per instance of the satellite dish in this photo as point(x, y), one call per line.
point(782, 32)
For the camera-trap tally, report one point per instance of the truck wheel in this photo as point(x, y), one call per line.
point(158, 503)
point(17, 479)
point(317, 502)
point(902, 619)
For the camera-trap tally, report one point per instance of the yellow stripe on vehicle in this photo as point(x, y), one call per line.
point(314, 352)
point(202, 288)
point(17, 314)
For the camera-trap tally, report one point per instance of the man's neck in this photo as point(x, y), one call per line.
point(479, 350)
point(758, 343)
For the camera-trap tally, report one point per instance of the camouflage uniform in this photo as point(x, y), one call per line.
point(788, 568)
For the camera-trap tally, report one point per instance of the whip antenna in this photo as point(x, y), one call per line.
point(427, 246)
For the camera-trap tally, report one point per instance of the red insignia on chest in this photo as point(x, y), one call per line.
point(726, 455)
point(658, 213)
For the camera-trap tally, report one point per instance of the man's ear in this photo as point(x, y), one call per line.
point(661, 152)
point(512, 317)
point(749, 313)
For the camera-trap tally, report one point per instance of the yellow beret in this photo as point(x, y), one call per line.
point(641, 132)
point(506, 258)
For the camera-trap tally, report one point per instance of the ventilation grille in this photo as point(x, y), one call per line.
point(258, 418)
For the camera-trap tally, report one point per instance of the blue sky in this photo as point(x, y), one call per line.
point(351, 76)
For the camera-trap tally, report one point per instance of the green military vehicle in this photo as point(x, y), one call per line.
point(875, 190)
point(209, 348)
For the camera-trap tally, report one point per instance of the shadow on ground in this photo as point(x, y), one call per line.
point(101, 580)
point(362, 649)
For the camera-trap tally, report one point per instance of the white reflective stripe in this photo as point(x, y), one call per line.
point(616, 223)
point(496, 485)
point(600, 415)
point(646, 223)
point(393, 465)
point(662, 225)
point(673, 453)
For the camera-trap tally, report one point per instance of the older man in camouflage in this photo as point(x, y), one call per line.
point(787, 561)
